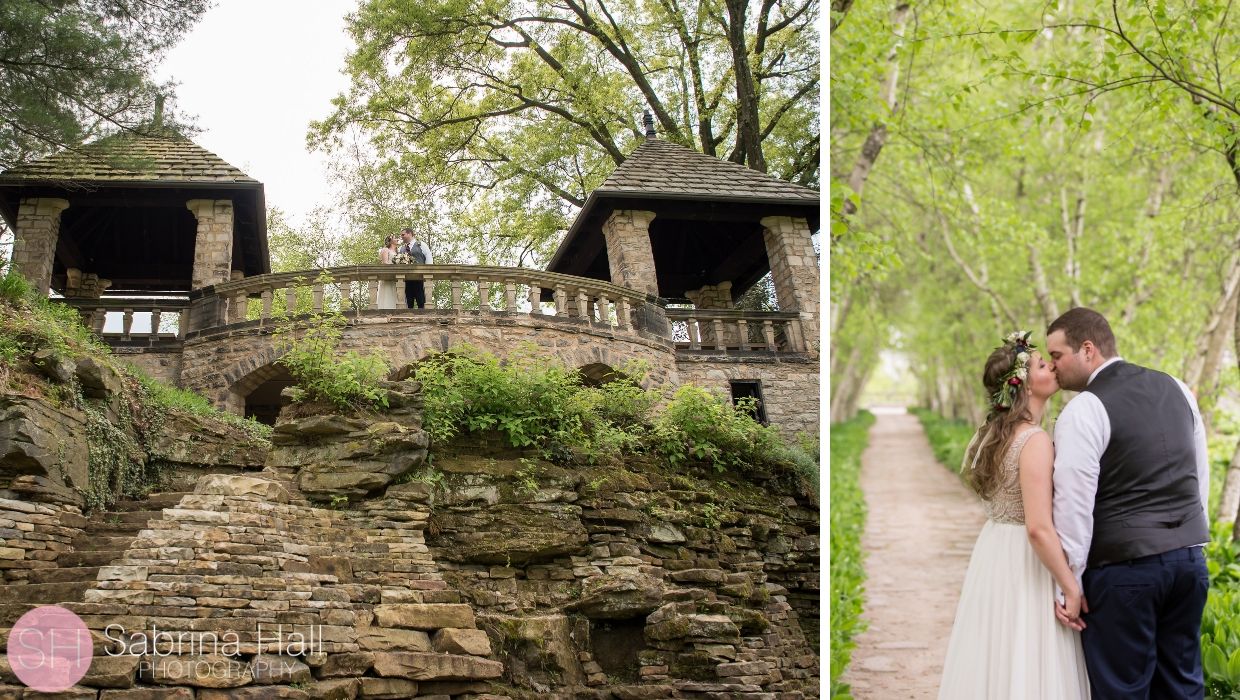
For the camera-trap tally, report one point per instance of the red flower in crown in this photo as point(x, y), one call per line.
point(1014, 381)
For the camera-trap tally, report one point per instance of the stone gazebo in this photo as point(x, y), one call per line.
point(688, 228)
point(135, 214)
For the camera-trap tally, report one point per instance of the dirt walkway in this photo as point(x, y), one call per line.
point(921, 525)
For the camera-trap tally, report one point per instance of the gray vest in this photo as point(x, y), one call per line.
point(1148, 500)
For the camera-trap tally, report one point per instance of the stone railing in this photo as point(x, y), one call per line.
point(722, 330)
point(95, 312)
point(451, 288)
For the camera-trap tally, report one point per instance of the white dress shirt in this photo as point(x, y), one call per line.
point(1082, 433)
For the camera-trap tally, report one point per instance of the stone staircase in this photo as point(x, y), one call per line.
point(104, 539)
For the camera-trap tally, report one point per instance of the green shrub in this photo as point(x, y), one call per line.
point(705, 426)
point(1220, 623)
point(847, 574)
point(533, 402)
point(349, 381)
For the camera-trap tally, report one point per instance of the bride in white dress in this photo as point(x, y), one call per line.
point(1006, 641)
point(387, 288)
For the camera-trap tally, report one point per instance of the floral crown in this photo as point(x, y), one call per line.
point(1011, 382)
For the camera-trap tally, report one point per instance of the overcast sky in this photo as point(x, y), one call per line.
point(255, 73)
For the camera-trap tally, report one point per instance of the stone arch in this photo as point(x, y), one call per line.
point(597, 374)
point(254, 386)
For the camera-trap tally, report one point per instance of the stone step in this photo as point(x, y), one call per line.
point(67, 574)
point(138, 517)
point(10, 613)
point(163, 499)
point(114, 529)
point(44, 593)
point(89, 557)
point(98, 542)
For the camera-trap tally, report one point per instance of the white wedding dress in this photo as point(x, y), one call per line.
point(387, 288)
point(1006, 642)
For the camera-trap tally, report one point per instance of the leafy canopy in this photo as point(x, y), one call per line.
point(515, 110)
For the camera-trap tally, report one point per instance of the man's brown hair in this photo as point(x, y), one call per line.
point(1081, 324)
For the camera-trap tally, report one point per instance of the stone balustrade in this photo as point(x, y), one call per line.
point(95, 313)
point(452, 291)
point(722, 330)
point(458, 288)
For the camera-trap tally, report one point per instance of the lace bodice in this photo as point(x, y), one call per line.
point(1007, 504)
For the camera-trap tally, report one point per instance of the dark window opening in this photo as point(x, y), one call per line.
point(750, 389)
point(616, 645)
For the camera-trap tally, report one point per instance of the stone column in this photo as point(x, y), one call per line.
point(213, 245)
point(794, 270)
point(34, 241)
point(714, 296)
point(631, 260)
point(628, 250)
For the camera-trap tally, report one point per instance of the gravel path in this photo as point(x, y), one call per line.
point(920, 529)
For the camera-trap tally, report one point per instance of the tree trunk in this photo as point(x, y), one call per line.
point(871, 363)
point(1153, 206)
point(748, 127)
point(877, 137)
point(1073, 227)
point(1219, 325)
point(1050, 310)
point(843, 389)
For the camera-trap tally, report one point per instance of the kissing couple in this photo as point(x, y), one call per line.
point(1089, 577)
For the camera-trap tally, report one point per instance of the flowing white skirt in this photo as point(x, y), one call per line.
point(1006, 642)
point(387, 294)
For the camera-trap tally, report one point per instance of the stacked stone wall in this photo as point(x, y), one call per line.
point(34, 535)
point(789, 385)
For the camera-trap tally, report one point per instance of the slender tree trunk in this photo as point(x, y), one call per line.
point(870, 364)
point(1050, 310)
point(1203, 367)
point(877, 137)
point(839, 314)
point(1073, 227)
point(1230, 501)
point(843, 388)
point(1153, 206)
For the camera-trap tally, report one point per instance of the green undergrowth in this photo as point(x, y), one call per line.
point(847, 576)
point(948, 436)
point(310, 347)
point(121, 430)
point(535, 401)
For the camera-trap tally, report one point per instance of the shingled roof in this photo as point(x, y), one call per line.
point(708, 214)
point(132, 158)
point(664, 170)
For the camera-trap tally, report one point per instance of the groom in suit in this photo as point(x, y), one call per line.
point(1131, 483)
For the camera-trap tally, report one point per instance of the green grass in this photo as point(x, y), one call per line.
point(848, 440)
point(948, 437)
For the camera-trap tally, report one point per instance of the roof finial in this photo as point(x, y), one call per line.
point(159, 111)
point(648, 122)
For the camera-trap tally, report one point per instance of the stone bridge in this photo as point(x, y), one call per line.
point(220, 343)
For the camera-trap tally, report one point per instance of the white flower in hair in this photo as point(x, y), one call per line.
point(1022, 374)
point(1022, 357)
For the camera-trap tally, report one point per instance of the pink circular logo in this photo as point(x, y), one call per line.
point(49, 648)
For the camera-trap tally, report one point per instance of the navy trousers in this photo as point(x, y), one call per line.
point(1142, 637)
point(415, 293)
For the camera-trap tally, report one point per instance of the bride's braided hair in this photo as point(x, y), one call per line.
point(983, 458)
